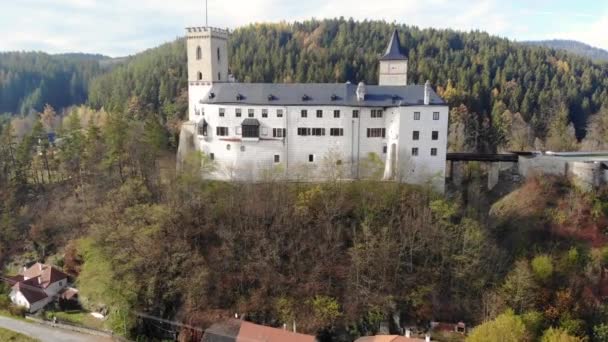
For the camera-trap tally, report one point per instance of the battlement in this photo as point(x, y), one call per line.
point(194, 32)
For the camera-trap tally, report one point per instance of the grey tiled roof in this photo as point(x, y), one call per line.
point(317, 94)
point(393, 51)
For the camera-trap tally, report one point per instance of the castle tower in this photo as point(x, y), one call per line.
point(393, 65)
point(207, 55)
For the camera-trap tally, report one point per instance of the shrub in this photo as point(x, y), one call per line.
point(542, 267)
point(559, 335)
point(507, 327)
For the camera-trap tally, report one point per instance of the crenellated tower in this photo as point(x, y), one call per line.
point(207, 55)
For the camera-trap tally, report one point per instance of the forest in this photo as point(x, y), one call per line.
point(105, 202)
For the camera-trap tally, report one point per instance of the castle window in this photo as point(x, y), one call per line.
point(278, 132)
point(435, 135)
point(250, 113)
point(416, 135)
point(211, 156)
point(228, 147)
point(414, 151)
point(319, 113)
point(433, 151)
point(277, 158)
point(384, 149)
point(355, 114)
point(218, 54)
point(264, 113)
point(311, 158)
point(202, 129)
point(377, 113)
point(219, 76)
point(304, 113)
point(376, 132)
point(279, 113)
point(336, 132)
point(238, 112)
point(221, 131)
point(336, 113)
point(416, 115)
point(199, 53)
point(222, 112)
point(242, 148)
point(199, 76)
point(304, 131)
point(251, 128)
point(318, 131)
point(435, 115)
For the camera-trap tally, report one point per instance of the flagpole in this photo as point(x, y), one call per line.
point(206, 13)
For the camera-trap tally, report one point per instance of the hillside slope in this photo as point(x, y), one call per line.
point(575, 47)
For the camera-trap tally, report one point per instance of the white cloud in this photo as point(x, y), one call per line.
point(592, 33)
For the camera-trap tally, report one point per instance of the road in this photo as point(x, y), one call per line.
point(46, 334)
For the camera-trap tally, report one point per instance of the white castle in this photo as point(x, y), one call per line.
point(312, 132)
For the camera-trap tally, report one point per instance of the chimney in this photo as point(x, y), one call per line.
point(284, 326)
point(427, 93)
point(294, 326)
point(361, 92)
point(427, 338)
point(408, 333)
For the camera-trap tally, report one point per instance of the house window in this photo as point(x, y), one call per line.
point(336, 132)
point(376, 132)
point(277, 158)
point(355, 114)
point(199, 53)
point(416, 135)
point(278, 132)
point(238, 112)
point(435, 135)
point(242, 148)
point(318, 131)
point(304, 113)
point(211, 156)
point(250, 113)
point(221, 131)
point(416, 115)
point(319, 113)
point(251, 131)
point(264, 113)
point(279, 113)
point(311, 158)
point(222, 112)
point(433, 151)
point(303, 131)
point(435, 115)
point(336, 114)
point(384, 149)
point(414, 151)
point(377, 113)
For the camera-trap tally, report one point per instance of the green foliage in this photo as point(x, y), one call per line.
point(559, 335)
point(520, 287)
point(534, 322)
point(507, 327)
point(326, 310)
point(600, 332)
point(542, 266)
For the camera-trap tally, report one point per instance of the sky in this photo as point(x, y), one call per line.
point(123, 27)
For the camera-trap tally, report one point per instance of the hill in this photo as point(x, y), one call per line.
point(575, 47)
point(29, 80)
point(487, 75)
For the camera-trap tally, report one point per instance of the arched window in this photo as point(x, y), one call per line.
point(199, 53)
point(219, 76)
point(218, 54)
point(199, 76)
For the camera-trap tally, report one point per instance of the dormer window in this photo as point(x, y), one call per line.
point(305, 98)
point(271, 97)
point(239, 97)
point(211, 95)
point(334, 97)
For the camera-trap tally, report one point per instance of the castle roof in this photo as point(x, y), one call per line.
point(318, 94)
point(393, 51)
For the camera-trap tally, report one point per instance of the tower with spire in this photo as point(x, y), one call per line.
point(393, 64)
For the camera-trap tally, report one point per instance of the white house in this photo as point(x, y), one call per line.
point(313, 131)
point(37, 286)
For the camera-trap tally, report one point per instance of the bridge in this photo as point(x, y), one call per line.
point(494, 163)
point(482, 157)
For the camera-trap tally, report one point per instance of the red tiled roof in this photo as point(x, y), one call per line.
point(48, 274)
point(250, 332)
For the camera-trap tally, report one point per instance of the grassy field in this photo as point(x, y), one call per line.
point(9, 336)
point(79, 318)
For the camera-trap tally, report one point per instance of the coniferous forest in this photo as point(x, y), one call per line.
point(105, 202)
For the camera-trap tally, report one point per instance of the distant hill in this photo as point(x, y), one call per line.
point(575, 47)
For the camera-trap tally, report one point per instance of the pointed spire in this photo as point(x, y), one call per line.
point(393, 51)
